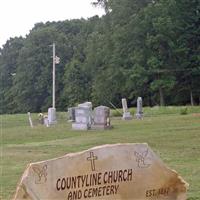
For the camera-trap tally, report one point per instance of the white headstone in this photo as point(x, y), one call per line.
point(83, 118)
point(52, 116)
point(126, 114)
point(124, 105)
point(46, 121)
point(109, 172)
point(139, 114)
point(86, 104)
point(30, 119)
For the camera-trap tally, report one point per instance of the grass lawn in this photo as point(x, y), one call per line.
point(173, 137)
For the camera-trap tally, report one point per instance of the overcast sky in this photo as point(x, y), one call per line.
point(17, 17)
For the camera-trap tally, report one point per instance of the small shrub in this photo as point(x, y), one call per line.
point(184, 111)
point(132, 111)
point(116, 113)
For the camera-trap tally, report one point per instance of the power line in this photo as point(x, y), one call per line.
point(172, 70)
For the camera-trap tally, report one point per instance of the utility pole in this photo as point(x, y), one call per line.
point(53, 90)
point(52, 110)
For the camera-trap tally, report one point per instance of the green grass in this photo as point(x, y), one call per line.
point(174, 137)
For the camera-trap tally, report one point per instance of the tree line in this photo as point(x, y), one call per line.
point(147, 48)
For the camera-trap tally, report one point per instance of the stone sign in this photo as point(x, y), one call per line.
point(121, 171)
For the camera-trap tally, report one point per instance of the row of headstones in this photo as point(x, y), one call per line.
point(102, 112)
point(46, 120)
point(127, 115)
point(84, 118)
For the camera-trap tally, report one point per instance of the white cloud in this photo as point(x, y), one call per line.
point(17, 17)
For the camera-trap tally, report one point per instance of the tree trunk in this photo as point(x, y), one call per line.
point(162, 101)
point(191, 98)
point(150, 100)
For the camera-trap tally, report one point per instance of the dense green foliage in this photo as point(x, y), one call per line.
point(138, 48)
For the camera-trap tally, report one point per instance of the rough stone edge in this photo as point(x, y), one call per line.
point(21, 185)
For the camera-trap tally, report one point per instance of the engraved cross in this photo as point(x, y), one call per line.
point(92, 159)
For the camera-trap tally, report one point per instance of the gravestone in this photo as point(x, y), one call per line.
point(41, 118)
point(83, 118)
point(71, 114)
point(101, 119)
point(139, 114)
point(46, 121)
point(52, 116)
point(86, 104)
point(121, 171)
point(30, 119)
point(126, 114)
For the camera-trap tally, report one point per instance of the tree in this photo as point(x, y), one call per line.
point(8, 66)
point(32, 84)
point(77, 84)
point(138, 48)
point(161, 43)
point(187, 51)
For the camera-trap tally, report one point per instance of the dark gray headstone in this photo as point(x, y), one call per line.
point(101, 117)
point(83, 118)
point(71, 114)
